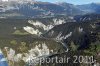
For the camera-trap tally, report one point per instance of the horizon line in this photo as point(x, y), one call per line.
point(50, 2)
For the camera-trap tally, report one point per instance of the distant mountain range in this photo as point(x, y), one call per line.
point(33, 9)
point(90, 8)
point(87, 17)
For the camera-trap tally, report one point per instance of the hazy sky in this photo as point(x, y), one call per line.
point(73, 1)
point(76, 2)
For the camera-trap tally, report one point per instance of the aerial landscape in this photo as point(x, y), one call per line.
point(47, 32)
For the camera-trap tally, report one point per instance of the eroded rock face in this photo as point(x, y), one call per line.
point(39, 27)
point(39, 50)
point(31, 54)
